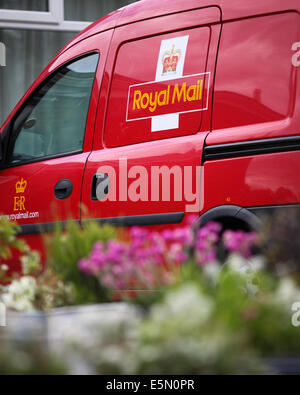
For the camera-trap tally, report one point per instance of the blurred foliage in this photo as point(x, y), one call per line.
point(182, 334)
point(8, 242)
point(22, 357)
point(67, 248)
point(215, 318)
point(257, 304)
point(36, 288)
point(280, 237)
point(8, 238)
point(219, 320)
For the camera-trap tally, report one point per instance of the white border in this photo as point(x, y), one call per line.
point(157, 82)
point(53, 20)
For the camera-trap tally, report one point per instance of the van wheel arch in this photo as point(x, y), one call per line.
point(231, 217)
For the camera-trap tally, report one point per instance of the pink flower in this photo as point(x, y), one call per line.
point(84, 266)
point(240, 241)
point(150, 258)
point(206, 243)
point(206, 257)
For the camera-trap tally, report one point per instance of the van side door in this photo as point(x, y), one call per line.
point(154, 115)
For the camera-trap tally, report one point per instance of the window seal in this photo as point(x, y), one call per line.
point(42, 159)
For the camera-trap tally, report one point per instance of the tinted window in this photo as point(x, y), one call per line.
point(54, 119)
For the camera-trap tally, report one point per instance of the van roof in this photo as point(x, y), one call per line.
point(147, 9)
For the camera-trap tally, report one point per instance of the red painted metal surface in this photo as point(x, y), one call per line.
point(256, 85)
point(256, 96)
point(257, 180)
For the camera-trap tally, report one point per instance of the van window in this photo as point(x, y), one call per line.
point(159, 87)
point(54, 119)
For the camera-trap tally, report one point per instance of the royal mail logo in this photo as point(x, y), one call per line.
point(166, 97)
point(172, 93)
point(170, 60)
point(21, 186)
point(19, 201)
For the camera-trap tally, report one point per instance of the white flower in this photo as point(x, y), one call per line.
point(257, 263)
point(243, 265)
point(247, 268)
point(20, 294)
point(187, 303)
point(212, 271)
point(287, 293)
point(238, 263)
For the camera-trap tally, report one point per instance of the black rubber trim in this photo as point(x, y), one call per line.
point(253, 216)
point(254, 147)
point(249, 218)
point(230, 211)
point(42, 159)
point(134, 220)
point(261, 210)
point(219, 212)
point(142, 220)
point(46, 227)
point(4, 140)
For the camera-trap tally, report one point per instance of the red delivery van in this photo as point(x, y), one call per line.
point(160, 109)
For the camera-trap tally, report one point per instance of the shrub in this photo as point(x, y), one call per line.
point(24, 357)
point(8, 242)
point(67, 248)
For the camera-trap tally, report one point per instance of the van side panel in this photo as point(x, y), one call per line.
point(256, 180)
point(252, 154)
point(256, 82)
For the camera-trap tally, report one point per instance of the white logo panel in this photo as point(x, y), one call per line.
point(171, 47)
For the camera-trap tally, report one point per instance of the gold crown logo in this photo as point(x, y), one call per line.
point(21, 186)
point(170, 60)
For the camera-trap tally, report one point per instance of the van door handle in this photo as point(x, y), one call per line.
point(100, 186)
point(63, 189)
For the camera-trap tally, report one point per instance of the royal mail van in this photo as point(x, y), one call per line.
point(161, 109)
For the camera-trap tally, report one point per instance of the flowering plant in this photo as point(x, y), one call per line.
point(155, 260)
point(179, 335)
point(214, 322)
point(145, 262)
point(67, 248)
point(29, 357)
point(35, 288)
point(8, 242)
